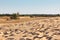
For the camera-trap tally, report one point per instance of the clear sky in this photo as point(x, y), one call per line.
point(30, 6)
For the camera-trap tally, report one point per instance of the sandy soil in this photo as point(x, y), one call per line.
point(27, 28)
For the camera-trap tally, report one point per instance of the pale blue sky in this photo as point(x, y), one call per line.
point(30, 6)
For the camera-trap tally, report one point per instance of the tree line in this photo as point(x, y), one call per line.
point(15, 15)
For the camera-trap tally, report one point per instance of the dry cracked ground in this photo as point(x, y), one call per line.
point(26, 28)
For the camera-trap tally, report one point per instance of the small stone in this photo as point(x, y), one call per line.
point(24, 36)
point(11, 35)
point(5, 33)
point(28, 39)
point(36, 39)
point(5, 36)
point(33, 33)
point(49, 38)
point(21, 39)
point(16, 29)
point(10, 39)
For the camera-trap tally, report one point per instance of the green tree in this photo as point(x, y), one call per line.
point(15, 15)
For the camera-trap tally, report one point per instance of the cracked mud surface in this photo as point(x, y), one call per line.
point(35, 29)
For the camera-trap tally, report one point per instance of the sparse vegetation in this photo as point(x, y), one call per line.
point(16, 15)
